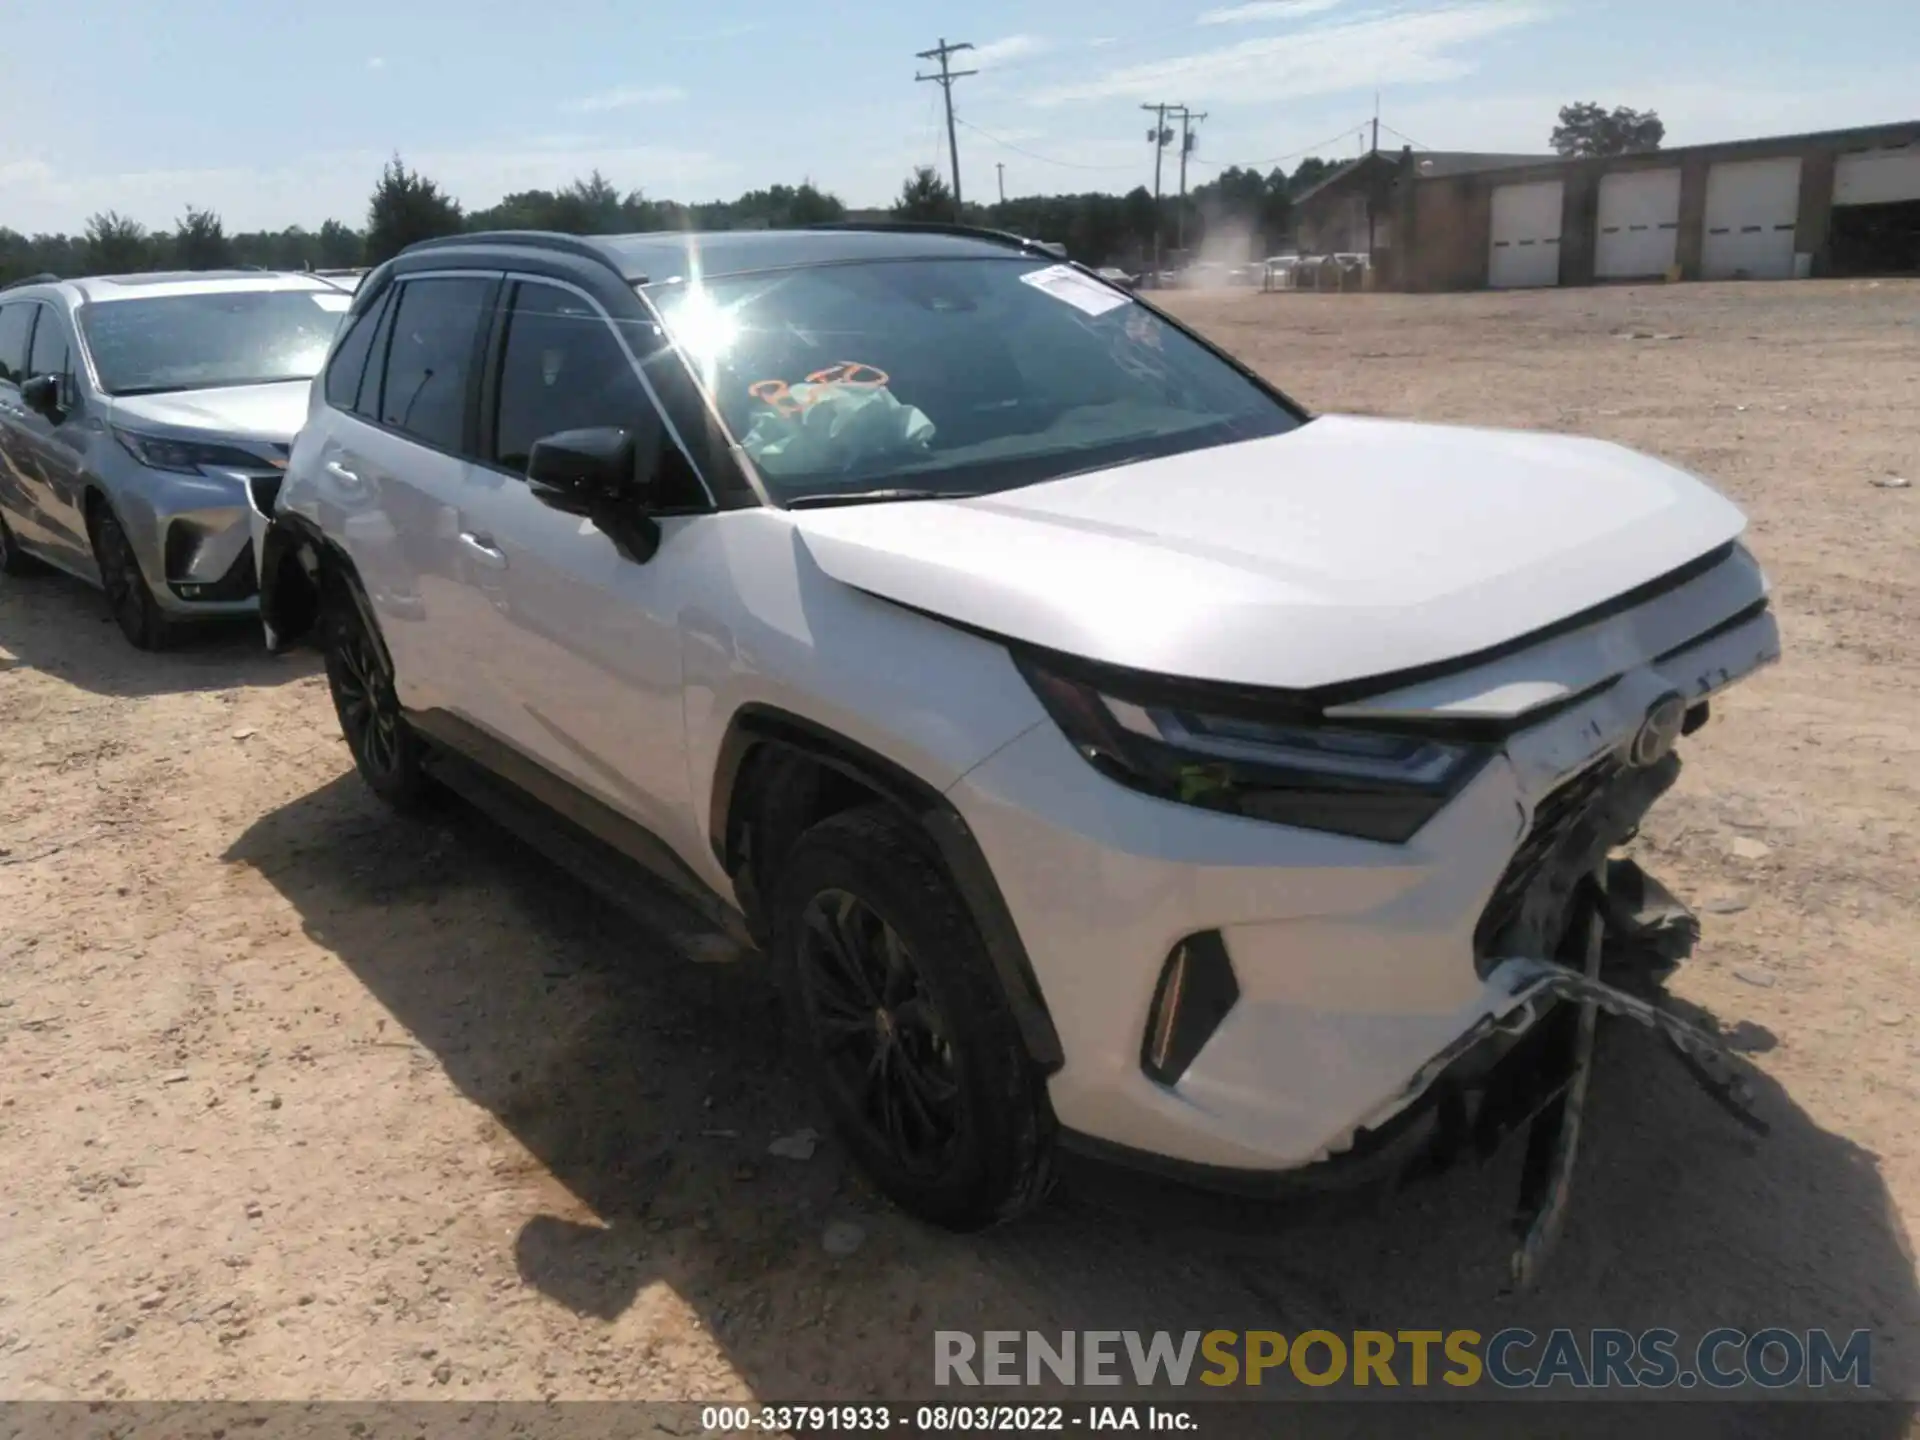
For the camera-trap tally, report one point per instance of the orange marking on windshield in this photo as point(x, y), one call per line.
point(853, 374)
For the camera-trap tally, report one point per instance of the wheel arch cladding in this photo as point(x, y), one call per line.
point(770, 755)
point(298, 564)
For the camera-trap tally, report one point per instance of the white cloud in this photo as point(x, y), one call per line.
point(1101, 41)
point(24, 172)
point(625, 98)
point(1407, 48)
point(1263, 10)
point(376, 62)
point(998, 52)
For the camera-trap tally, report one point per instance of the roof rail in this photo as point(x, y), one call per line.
point(45, 277)
point(530, 239)
point(945, 227)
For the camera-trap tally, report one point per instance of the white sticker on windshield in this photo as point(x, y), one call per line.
point(332, 301)
point(1083, 292)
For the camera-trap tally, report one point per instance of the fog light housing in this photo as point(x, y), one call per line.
point(1197, 988)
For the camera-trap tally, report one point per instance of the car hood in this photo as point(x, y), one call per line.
point(260, 412)
point(1345, 549)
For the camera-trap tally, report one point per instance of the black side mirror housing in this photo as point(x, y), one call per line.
point(606, 475)
point(42, 395)
point(587, 465)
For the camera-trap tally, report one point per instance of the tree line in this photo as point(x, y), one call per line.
point(406, 207)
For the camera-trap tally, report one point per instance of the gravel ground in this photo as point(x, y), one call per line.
point(299, 1100)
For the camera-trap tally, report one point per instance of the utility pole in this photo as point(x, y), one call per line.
point(1000, 170)
point(1159, 135)
point(946, 77)
point(1187, 142)
point(1374, 150)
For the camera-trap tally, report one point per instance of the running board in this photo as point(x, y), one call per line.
point(700, 927)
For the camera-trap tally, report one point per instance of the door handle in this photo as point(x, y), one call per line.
point(341, 473)
point(483, 551)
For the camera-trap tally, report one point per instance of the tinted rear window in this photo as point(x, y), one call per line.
point(958, 375)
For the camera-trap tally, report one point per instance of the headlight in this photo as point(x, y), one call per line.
point(1266, 759)
point(187, 457)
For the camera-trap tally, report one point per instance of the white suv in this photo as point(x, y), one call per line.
point(1103, 749)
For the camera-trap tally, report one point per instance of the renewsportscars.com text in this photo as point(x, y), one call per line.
point(1512, 1359)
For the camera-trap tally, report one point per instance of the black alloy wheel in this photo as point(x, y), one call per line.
point(385, 749)
point(13, 560)
point(129, 597)
point(907, 1029)
point(884, 1044)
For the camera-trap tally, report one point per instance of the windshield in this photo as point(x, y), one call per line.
point(197, 342)
point(950, 376)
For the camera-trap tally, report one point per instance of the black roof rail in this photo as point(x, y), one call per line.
point(45, 277)
point(529, 239)
point(944, 227)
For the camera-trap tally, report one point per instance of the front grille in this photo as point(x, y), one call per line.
point(1555, 820)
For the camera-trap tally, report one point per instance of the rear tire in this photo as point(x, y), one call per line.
point(129, 597)
point(13, 560)
point(386, 751)
point(915, 1051)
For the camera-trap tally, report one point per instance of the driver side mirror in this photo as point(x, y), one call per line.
point(42, 395)
point(599, 474)
point(585, 465)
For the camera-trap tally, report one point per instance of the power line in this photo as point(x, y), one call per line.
point(1031, 155)
point(1339, 139)
point(1408, 138)
point(943, 52)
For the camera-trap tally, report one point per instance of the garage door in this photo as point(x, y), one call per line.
point(1878, 177)
point(1639, 224)
point(1752, 206)
point(1526, 236)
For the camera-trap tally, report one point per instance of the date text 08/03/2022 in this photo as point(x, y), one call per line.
point(943, 1419)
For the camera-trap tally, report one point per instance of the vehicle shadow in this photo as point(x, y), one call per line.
point(649, 1088)
point(55, 623)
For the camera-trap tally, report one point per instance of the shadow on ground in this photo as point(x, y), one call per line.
point(649, 1087)
point(55, 623)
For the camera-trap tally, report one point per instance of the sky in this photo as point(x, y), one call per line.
point(275, 113)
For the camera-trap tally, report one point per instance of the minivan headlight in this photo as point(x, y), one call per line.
point(1276, 761)
point(185, 457)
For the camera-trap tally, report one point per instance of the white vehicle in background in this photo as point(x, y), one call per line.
point(1106, 751)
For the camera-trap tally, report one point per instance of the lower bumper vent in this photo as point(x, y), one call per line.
point(1197, 988)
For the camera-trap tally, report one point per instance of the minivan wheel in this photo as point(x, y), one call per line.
point(915, 1053)
point(13, 560)
point(129, 597)
point(385, 749)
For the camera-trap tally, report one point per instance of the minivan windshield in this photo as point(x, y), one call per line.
point(890, 379)
point(197, 342)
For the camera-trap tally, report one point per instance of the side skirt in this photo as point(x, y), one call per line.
point(589, 840)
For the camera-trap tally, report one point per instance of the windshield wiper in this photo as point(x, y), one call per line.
point(823, 498)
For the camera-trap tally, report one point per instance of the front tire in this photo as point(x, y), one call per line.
point(129, 597)
point(385, 749)
point(916, 1054)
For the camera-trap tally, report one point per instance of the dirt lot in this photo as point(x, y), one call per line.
point(297, 1100)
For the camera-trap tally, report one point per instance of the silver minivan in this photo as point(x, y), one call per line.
point(144, 419)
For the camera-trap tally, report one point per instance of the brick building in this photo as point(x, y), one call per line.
point(1840, 202)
